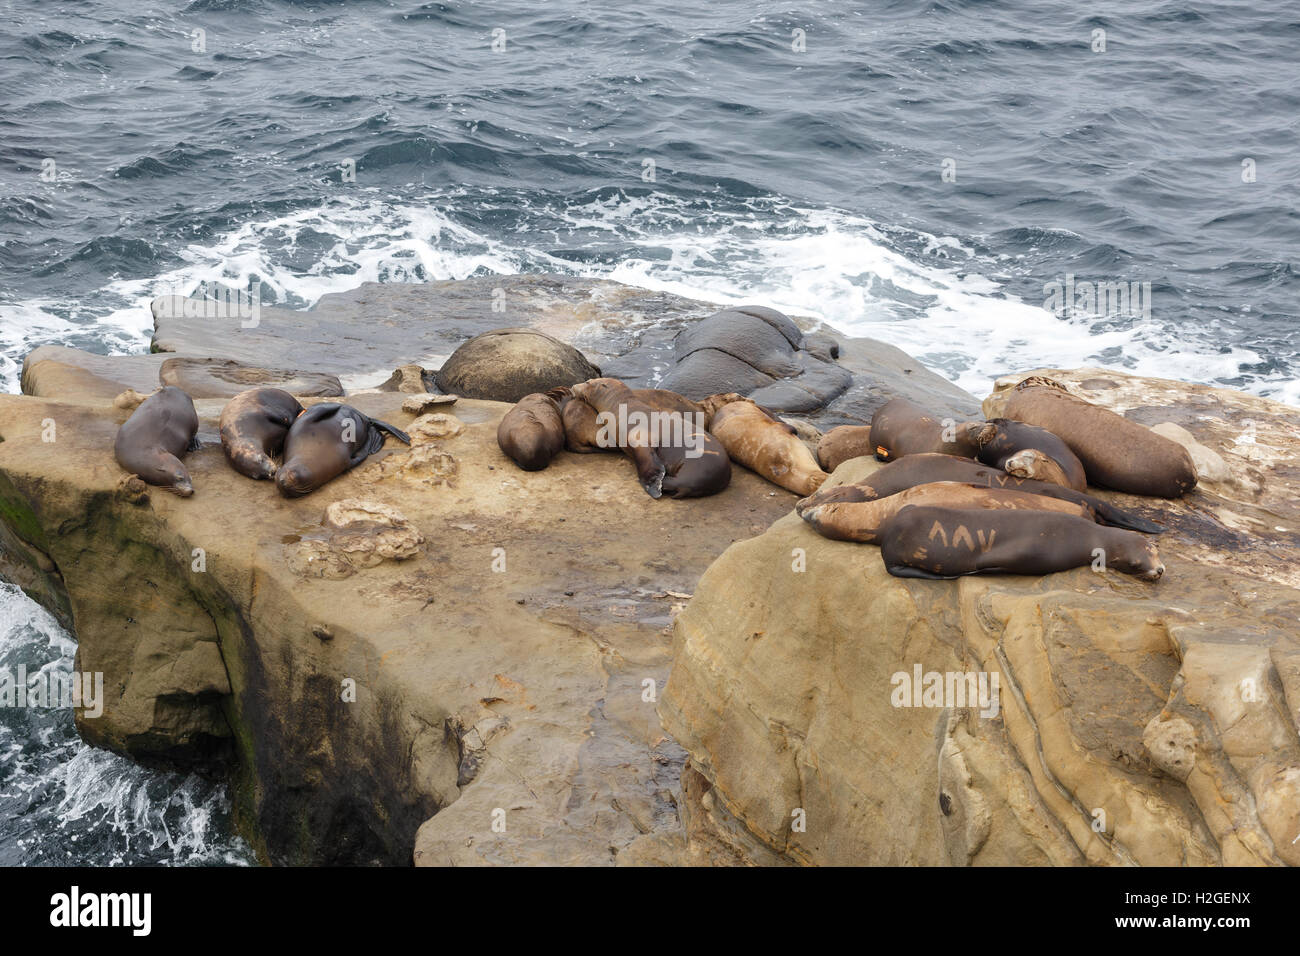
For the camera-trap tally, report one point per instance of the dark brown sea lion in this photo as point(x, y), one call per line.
point(1010, 445)
point(325, 441)
point(862, 520)
point(623, 421)
point(153, 440)
point(926, 542)
point(900, 427)
point(532, 433)
point(913, 470)
point(1115, 452)
point(658, 429)
point(253, 426)
point(766, 446)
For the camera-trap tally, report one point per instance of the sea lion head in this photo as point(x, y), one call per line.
point(1137, 556)
point(978, 433)
point(295, 479)
point(1031, 463)
point(174, 478)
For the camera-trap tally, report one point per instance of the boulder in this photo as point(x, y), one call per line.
point(1140, 723)
point(504, 365)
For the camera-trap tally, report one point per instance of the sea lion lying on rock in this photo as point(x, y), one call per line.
point(900, 427)
point(862, 520)
point(767, 446)
point(325, 441)
point(1116, 453)
point(928, 542)
point(913, 470)
point(1026, 451)
point(532, 433)
point(253, 427)
point(153, 440)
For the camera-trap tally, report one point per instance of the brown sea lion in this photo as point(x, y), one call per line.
point(862, 520)
point(900, 427)
point(532, 432)
point(153, 440)
point(253, 426)
point(1026, 451)
point(767, 446)
point(927, 542)
point(842, 443)
point(913, 470)
point(624, 421)
point(325, 441)
point(1115, 452)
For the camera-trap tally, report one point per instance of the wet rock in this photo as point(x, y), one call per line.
point(222, 378)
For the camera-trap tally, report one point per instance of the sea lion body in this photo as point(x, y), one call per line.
point(626, 424)
point(861, 521)
point(1027, 451)
point(153, 440)
point(913, 470)
point(900, 427)
point(253, 427)
point(532, 432)
point(928, 542)
point(325, 441)
point(1116, 453)
point(767, 446)
point(843, 443)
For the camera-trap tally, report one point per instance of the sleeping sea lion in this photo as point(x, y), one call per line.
point(325, 441)
point(767, 446)
point(862, 520)
point(900, 427)
point(1115, 452)
point(927, 542)
point(1026, 451)
point(153, 440)
point(532, 433)
point(913, 470)
point(253, 426)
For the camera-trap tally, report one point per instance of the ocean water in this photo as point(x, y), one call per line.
point(922, 171)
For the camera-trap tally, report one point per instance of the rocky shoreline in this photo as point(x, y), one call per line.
point(442, 659)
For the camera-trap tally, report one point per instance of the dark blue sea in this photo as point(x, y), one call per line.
point(928, 172)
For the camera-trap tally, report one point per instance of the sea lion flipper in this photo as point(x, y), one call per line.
point(395, 432)
point(907, 571)
point(194, 444)
point(1118, 518)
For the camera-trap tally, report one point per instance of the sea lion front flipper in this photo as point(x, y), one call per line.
point(907, 571)
point(1118, 518)
point(194, 444)
point(395, 432)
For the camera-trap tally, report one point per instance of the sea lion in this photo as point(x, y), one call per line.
point(913, 470)
point(1115, 452)
point(843, 443)
point(767, 446)
point(622, 420)
point(325, 441)
point(253, 426)
point(153, 440)
point(862, 520)
point(1026, 451)
point(693, 462)
point(532, 433)
point(927, 542)
point(900, 427)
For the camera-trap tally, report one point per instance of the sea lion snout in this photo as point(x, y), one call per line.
point(294, 481)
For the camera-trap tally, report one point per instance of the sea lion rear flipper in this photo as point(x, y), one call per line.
point(395, 432)
point(1118, 518)
point(194, 444)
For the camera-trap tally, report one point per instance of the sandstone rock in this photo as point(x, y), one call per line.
point(222, 378)
point(504, 365)
point(421, 403)
point(1135, 723)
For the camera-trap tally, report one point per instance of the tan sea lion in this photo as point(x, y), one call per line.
point(1026, 451)
point(862, 520)
point(253, 426)
point(767, 446)
point(325, 441)
point(1115, 452)
point(913, 470)
point(927, 542)
point(153, 440)
point(532, 432)
point(900, 427)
